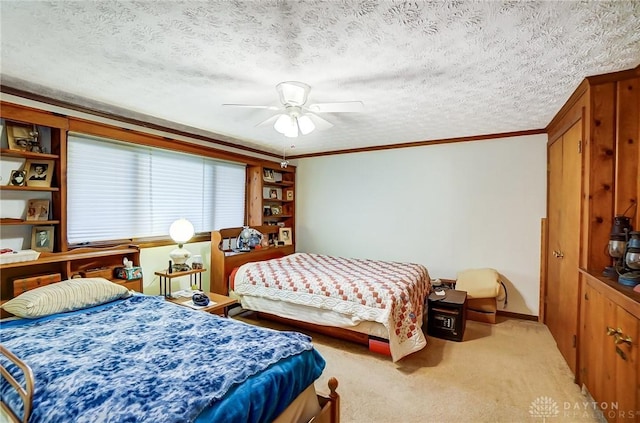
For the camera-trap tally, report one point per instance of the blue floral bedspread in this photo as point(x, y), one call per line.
point(142, 359)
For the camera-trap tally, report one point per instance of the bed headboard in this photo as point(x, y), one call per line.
point(224, 259)
point(17, 277)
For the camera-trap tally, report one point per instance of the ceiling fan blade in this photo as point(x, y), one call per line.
point(338, 107)
point(253, 106)
point(269, 121)
point(319, 122)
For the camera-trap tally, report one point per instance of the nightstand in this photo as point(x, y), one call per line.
point(219, 304)
point(447, 314)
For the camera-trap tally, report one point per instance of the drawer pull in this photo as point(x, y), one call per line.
point(621, 354)
point(611, 331)
point(620, 339)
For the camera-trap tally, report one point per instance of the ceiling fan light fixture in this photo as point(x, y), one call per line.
point(306, 125)
point(292, 131)
point(283, 123)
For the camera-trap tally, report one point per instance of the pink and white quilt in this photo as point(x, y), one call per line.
point(390, 293)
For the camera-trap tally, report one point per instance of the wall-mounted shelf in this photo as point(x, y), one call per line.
point(14, 188)
point(9, 221)
point(278, 184)
point(27, 154)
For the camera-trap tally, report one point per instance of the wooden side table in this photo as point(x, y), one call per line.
point(219, 304)
point(195, 276)
point(447, 314)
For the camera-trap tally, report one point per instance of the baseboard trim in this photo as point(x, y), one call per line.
point(517, 315)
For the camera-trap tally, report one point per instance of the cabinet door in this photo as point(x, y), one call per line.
point(552, 299)
point(561, 315)
point(625, 353)
point(610, 368)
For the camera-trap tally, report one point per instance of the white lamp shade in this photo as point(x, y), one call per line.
point(284, 124)
point(181, 231)
point(292, 131)
point(306, 125)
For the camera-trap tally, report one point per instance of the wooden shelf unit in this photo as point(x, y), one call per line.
point(53, 129)
point(259, 199)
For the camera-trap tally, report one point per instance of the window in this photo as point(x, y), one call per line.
point(117, 190)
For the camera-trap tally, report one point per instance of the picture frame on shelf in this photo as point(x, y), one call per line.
point(266, 211)
point(42, 238)
point(273, 194)
point(38, 210)
point(276, 210)
point(289, 194)
point(39, 172)
point(21, 137)
point(18, 178)
point(285, 235)
point(268, 176)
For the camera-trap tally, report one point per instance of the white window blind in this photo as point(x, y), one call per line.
point(117, 190)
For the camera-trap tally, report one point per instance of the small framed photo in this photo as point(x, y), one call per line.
point(39, 172)
point(273, 194)
point(267, 175)
point(21, 137)
point(18, 178)
point(38, 210)
point(276, 210)
point(42, 238)
point(289, 195)
point(285, 236)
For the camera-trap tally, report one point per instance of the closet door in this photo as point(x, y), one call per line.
point(561, 314)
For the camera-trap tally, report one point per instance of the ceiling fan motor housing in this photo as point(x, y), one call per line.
point(293, 93)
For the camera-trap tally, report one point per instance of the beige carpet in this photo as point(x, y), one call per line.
point(507, 372)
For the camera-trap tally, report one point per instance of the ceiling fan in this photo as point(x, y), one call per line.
point(296, 116)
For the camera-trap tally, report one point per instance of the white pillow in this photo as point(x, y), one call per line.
point(60, 297)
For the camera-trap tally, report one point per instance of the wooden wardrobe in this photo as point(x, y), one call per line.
point(593, 175)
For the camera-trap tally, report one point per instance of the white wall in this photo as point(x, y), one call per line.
point(448, 206)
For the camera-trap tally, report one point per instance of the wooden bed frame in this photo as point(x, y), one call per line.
point(329, 405)
point(224, 260)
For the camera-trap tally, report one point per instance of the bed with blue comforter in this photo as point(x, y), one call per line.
point(143, 359)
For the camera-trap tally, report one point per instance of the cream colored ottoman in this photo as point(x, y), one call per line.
point(483, 287)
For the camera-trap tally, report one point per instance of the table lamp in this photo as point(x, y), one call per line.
point(180, 231)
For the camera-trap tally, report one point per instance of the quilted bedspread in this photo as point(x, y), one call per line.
point(140, 359)
point(390, 293)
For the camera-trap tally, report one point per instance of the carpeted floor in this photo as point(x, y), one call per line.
point(507, 372)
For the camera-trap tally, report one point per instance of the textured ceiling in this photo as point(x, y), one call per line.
point(424, 70)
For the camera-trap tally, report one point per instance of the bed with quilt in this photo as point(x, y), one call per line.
point(381, 300)
point(88, 350)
